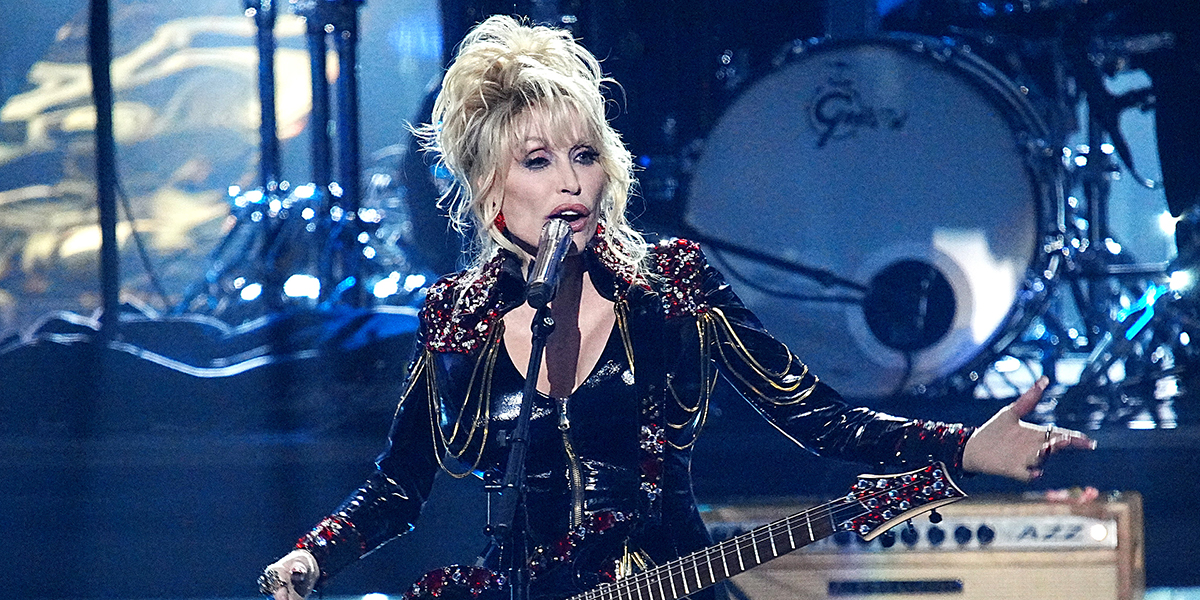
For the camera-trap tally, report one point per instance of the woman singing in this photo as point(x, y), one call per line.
point(642, 332)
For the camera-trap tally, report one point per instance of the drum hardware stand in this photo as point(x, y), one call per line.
point(336, 21)
point(100, 62)
point(1126, 308)
point(314, 231)
point(1133, 331)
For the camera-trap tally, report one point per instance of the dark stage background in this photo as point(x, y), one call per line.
point(177, 460)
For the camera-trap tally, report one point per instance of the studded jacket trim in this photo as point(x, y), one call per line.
point(681, 327)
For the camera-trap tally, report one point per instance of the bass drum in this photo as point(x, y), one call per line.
point(910, 183)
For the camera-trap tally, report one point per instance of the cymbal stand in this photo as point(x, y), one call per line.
point(1132, 335)
point(300, 246)
point(335, 23)
point(243, 253)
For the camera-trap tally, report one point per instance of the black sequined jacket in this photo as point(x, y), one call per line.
point(629, 456)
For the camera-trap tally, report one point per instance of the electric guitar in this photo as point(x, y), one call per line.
point(873, 505)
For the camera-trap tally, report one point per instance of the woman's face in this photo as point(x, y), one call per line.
point(551, 174)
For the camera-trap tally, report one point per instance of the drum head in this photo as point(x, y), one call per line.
point(898, 167)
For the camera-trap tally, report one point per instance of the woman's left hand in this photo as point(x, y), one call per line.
point(1008, 446)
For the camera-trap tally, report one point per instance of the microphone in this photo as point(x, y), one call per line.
point(542, 282)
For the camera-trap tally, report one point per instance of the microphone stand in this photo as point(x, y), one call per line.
point(100, 61)
point(509, 535)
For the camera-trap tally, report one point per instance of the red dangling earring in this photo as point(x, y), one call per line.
point(499, 223)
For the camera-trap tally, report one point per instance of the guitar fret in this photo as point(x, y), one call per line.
point(683, 579)
point(686, 575)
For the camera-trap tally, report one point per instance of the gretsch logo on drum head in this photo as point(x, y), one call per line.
point(837, 110)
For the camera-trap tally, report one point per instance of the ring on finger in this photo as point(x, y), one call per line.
point(268, 582)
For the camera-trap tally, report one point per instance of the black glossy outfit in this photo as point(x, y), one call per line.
point(624, 442)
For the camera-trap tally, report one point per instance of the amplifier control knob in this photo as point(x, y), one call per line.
point(986, 535)
point(962, 535)
point(936, 536)
point(909, 535)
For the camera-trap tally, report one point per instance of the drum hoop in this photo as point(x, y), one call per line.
point(1029, 129)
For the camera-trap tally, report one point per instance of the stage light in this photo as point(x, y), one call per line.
point(1112, 245)
point(369, 215)
point(302, 285)
point(375, 596)
point(1166, 223)
point(385, 287)
point(305, 191)
point(308, 213)
point(1008, 364)
point(251, 292)
point(1181, 280)
point(414, 281)
point(364, 237)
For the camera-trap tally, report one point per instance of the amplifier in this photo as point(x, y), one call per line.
point(988, 547)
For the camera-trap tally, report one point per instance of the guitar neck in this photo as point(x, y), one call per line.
point(699, 570)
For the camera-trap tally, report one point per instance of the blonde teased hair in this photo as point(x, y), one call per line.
point(503, 69)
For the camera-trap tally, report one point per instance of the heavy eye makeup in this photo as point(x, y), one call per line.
point(535, 160)
point(541, 157)
point(585, 155)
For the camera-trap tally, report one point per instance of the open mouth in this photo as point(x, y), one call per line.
point(572, 213)
point(570, 216)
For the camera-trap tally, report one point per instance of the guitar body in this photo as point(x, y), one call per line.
point(582, 565)
point(579, 561)
point(588, 571)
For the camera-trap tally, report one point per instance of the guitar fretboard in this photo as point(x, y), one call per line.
point(696, 571)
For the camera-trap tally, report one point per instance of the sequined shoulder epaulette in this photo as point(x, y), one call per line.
point(458, 319)
point(680, 264)
point(621, 271)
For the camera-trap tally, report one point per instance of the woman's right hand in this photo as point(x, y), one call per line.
point(291, 577)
